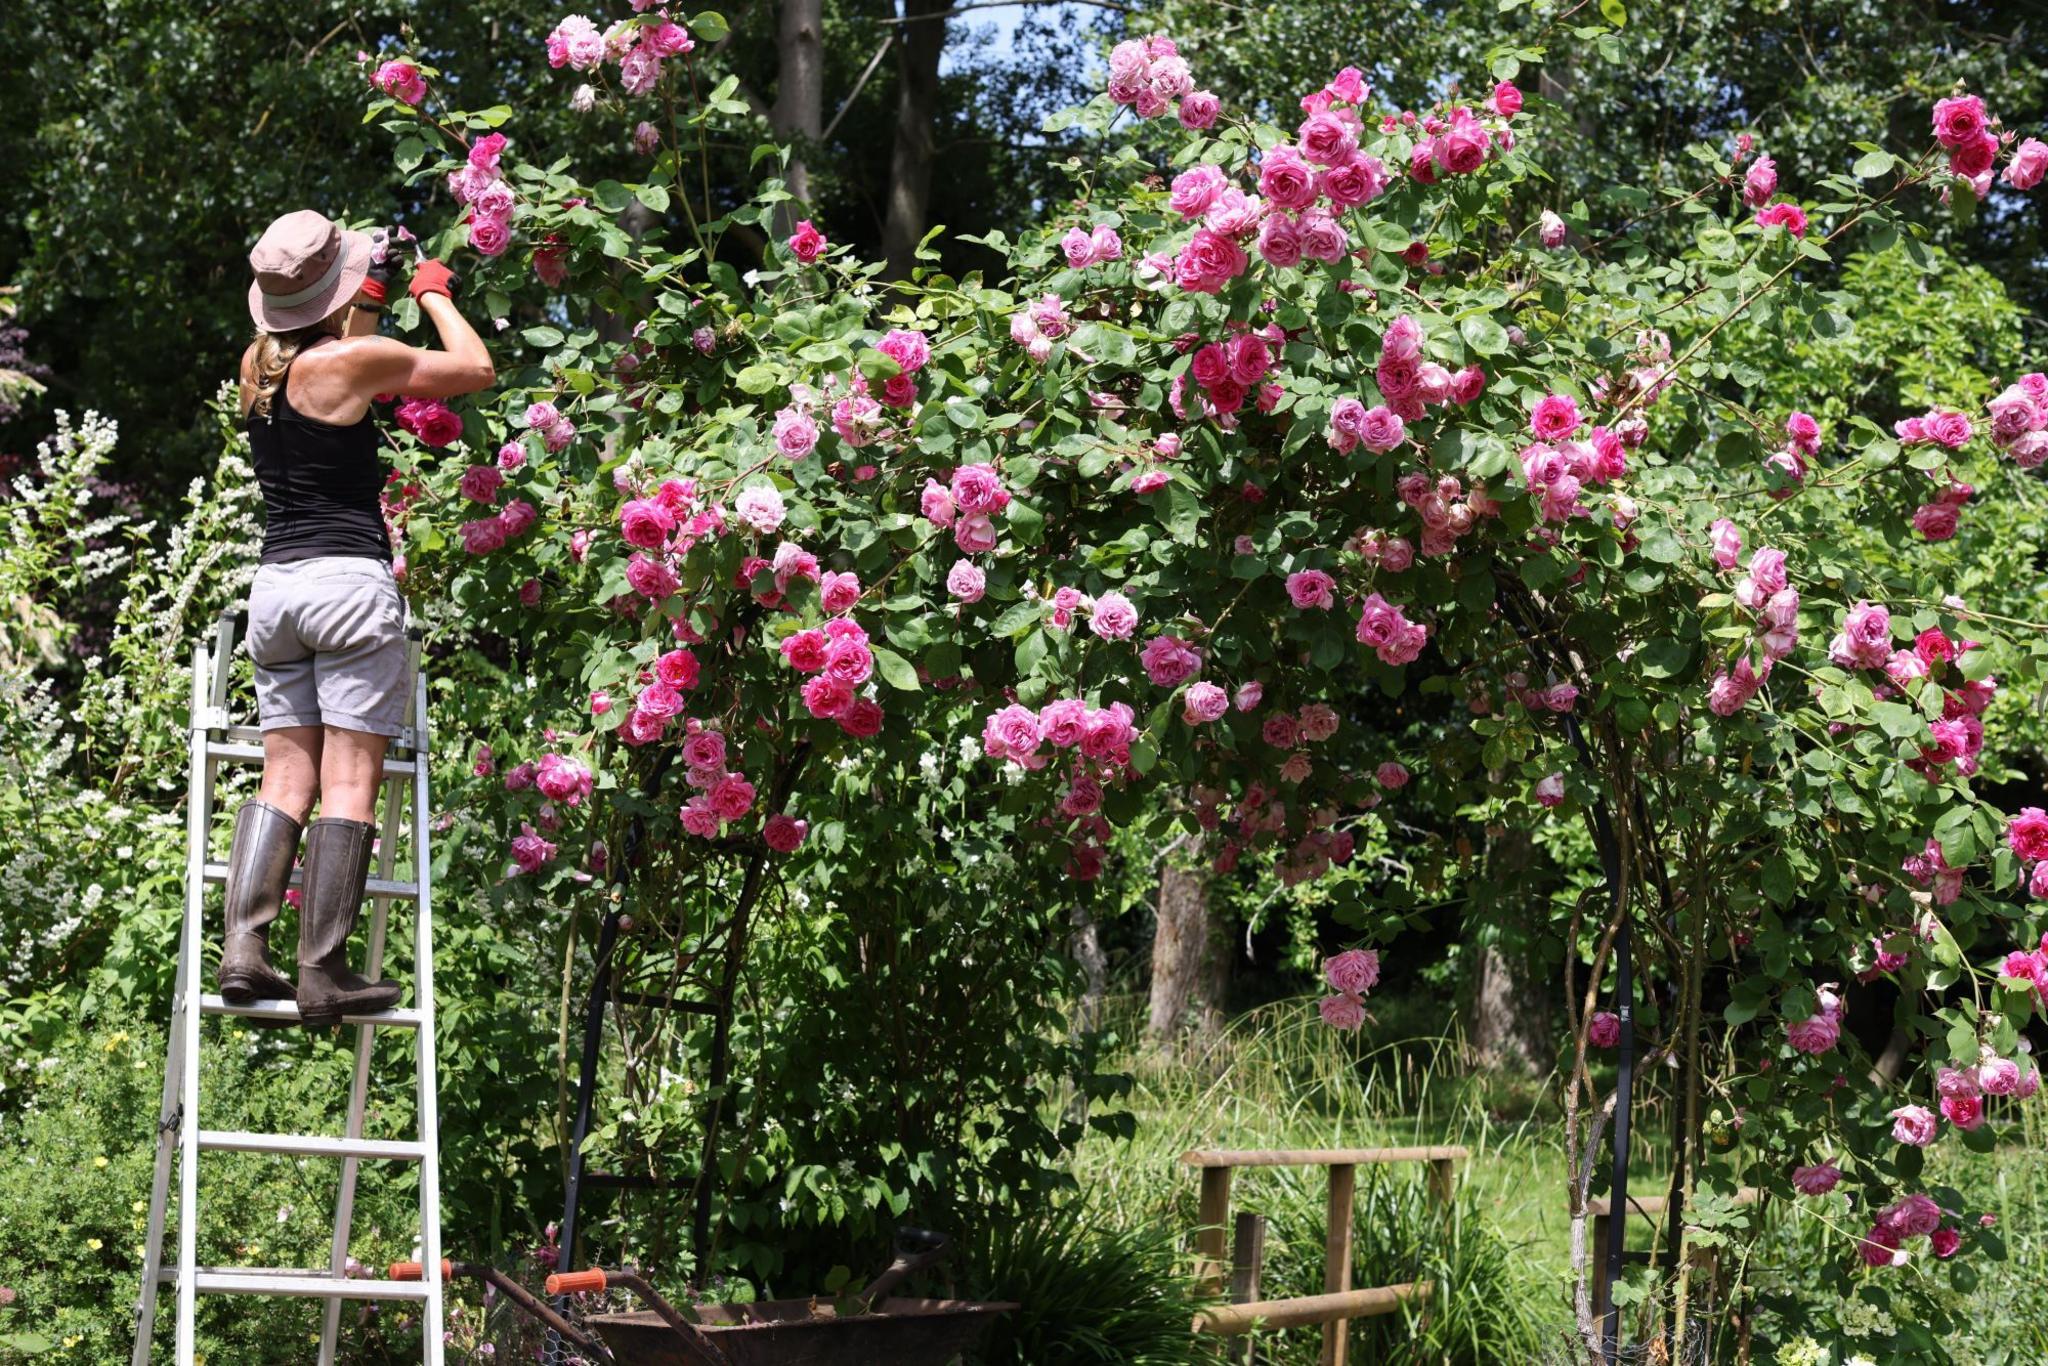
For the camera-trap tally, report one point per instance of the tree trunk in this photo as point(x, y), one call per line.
point(1190, 961)
point(798, 117)
point(1087, 949)
point(923, 40)
point(1505, 1025)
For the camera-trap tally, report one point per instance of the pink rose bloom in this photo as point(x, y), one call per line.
point(1286, 179)
point(530, 850)
point(1948, 429)
point(1550, 230)
point(1727, 543)
point(1461, 149)
point(1391, 776)
point(1550, 790)
point(1327, 139)
point(760, 506)
point(1198, 110)
point(1965, 1112)
point(1114, 618)
point(1790, 217)
point(966, 582)
point(784, 833)
point(1203, 703)
point(1507, 101)
point(1913, 1125)
point(402, 81)
point(1944, 1242)
point(1818, 1179)
point(807, 244)
point(1169, 661)
point(1999, 1076)
point(1815, 1034)
point(1208, 262)
point(1280, 732)
point(483, 536)
point(1341, 1012)
point(1380, 430)
point(1311, 588)
point(1959, 119)
point(1063, 722)
point(480, 483)
point(1761, 183)
point(2029, 163)
point(825, 696)
point(1604, 1029)
point(1915, 1216)
point(1351, 183)
point(2027, 834)
point(1880, 1247)
point(1936, 521)
point(1109, 734)
point(796, 433)
point(1318, 722)
point(1466, 386)
point(1555, 417)
point(646, 523)
point(978, 488)
point(1012, 733)
point(1195, 190)
point(907, 348)
point(1353, 972)
point(563, 780)
point(1248, 696)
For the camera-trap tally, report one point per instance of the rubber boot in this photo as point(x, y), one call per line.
point(337, 867)
point(259, 868)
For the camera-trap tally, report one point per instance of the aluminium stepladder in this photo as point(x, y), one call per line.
point(215, 739)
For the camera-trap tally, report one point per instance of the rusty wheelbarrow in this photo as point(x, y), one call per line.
point(866, 1329)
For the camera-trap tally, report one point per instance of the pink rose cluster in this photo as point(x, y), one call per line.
point(1787, 465)
point(1938, 427)
point(638, 45)
point(1759, 186)
point(838, 661)
point(400, 80)
point(2029, 966)
point(429, 419)
point(1038, 325)
point(1410, 386)
point(2019, 420)
point(1351, 974)
point(2027, 836)
point(1819, 1032)
point(531, 850)
point(1967, 130)
point(1865, 642)
point(909, 349)
point(1448, 512)
point(718, 793)
point(1915, 1216)
point(1387, 629)
point(1559, 466)
point(1084, 247)
point(969, 502)
point(1228, 372)
point(1458, 142)
point(553, 426)
point(1558, 698)
point(488, 200)
point(1149, 76)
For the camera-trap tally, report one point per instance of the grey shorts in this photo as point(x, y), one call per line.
point(328, 638)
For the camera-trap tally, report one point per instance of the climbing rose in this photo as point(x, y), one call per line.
point(1353, 972)
point(1818, 1179)
point(760, 507)
point(784, 833)
point(1760, 183)
point(1204, 702)
point(807, 244)
point(796, 433)
point(1555, 417)
point(1790, 217)
point(531, 850)
point(1604, 1029)
point(1913, 1125)
point(1815, 1034)
point(1550, 230)
point(2029, 163)
point(562, 780)
point(1880, 1247)
point(1311, 588)
point(1114, 618)
point(1170, 661)
point(1958, 120)
point(1550, 790)
point(965, 581)
point(401, 81)
point(1341, 1012)
point(1391, 776)
point(1944, 1242)
point(1965, 1112)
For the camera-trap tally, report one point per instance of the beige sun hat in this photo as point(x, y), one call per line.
point(306, 266)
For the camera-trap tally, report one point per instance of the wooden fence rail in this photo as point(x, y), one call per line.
point(1339, 1303)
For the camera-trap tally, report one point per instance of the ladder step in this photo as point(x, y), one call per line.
point(244, 753)
point(287, 1012)
point(308, 1145)
point(376, 886)
point(269, 1280)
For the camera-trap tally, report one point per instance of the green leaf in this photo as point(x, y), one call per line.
point(543, 337)
point(1873, 164)
point(1661, 546)
point(609, 195)
point(1897, 720)
point(1664, 658)
point(759, 379)
point(709, 25)
point(1484, 335)
point(655, 197)
point(1614, 12)
point(409, 153)
point(895, 670)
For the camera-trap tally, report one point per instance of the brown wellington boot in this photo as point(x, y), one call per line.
point(259, 868)
point(337, 867)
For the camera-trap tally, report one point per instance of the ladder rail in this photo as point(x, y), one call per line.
point(199, 826)
point(428, 1107)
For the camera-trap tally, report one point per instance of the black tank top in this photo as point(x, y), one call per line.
point(320, 483)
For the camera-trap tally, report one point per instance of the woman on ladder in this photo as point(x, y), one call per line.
point(326, 624)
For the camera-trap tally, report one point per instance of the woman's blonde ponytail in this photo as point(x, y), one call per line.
point(275, 351)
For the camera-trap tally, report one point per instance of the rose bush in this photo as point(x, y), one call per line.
point(1317, 422)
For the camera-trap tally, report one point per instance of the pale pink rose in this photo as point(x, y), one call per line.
point(796, 433)
point(1814, 1035)
point(1550, 790)
point(1391, 776)
point(975, 534)
point(1550, 230)
point(530, 850)
point(1169, 661)
point(1203, 703)
point(1727, 543)
point(1318, 722)
point(1913, 1125)
point(1341, 1012)
point(2029, 163)
point(1196, 189)
point(966, 582)
point(1353, 972)
point(1198, 110)
point(1309, 588)
point(1760, 183)
point(1114, 618)
point(1248, 695)
point(760, 507)
point(1380, 429)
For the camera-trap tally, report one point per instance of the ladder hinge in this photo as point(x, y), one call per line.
point(211, 718)
point(170, 1122)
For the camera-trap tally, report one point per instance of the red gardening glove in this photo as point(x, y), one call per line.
point(432, 277)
